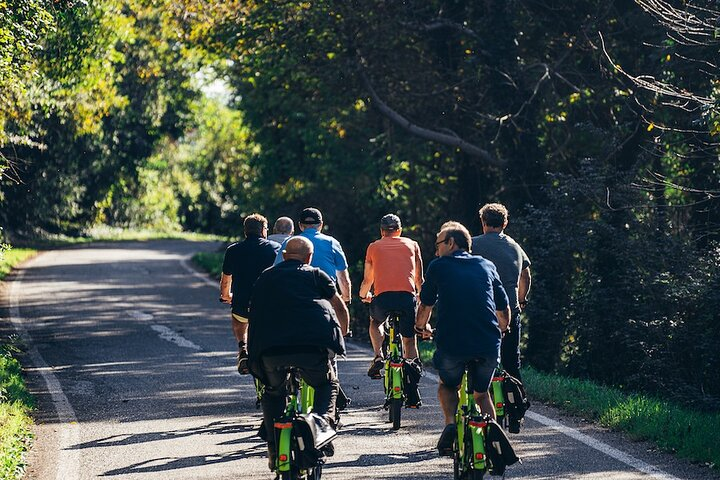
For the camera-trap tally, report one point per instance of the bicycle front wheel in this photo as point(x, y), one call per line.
point(395, 412)
point(456, 465)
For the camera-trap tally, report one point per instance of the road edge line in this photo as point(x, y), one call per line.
point(591, 442)
point(67, 465)
point(194, 272)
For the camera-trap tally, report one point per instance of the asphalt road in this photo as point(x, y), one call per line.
point(131, 358)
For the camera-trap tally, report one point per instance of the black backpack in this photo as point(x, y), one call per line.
point(498, 449)
point(516, 402)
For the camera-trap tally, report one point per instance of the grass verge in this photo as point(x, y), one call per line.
point(689, 434)
point(210, 262)
point(12, 257)
point(112, 234)
point(15, 421)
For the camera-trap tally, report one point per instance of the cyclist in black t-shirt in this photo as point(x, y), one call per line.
point(243, 263)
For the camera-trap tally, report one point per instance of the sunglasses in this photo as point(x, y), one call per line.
point(442, 241)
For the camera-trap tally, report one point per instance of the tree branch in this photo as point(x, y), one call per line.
point(427, 134)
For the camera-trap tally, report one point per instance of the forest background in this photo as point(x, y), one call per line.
point(595, 122)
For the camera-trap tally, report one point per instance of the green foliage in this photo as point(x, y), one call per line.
point(15, 422)
point(210, 262)
point(9, 257)
point(672, 428)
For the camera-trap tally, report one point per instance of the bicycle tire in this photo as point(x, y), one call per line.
point(476, 475)
point(396, 405)
point(456, 464)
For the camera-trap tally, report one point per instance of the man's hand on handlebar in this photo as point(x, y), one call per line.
point(425, 332)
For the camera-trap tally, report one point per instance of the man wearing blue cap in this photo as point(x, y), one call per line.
point(329, 256)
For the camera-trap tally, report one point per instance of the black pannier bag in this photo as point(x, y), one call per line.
point(516, 402)
point(498, 449)
point(312, 439)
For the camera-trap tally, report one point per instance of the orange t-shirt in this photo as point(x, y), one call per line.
point(393, 260)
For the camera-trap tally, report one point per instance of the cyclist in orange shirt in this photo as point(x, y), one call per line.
point(394, 270)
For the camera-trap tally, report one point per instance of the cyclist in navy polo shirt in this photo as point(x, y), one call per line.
point(472, 313)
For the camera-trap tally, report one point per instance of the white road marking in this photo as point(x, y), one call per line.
point(618, 455)
point(68, 464)
point(170, 335)
point(612, 452)
point(138, 315)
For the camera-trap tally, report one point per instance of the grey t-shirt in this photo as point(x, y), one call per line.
point(509, 259)
point(278, 237)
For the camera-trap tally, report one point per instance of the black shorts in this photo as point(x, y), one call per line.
point(451, 369)
point(395, 301)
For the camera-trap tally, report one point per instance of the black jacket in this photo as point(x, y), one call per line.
point(290, 307)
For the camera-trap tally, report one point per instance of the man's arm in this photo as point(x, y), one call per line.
point(422, 319)
point(524, 286)
point(225, 282)
point(344, 283)
point(419, 274)
point(368, 279)
point(342, 313)
point(503, 317)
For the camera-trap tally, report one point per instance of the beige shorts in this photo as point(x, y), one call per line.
point(239, 318)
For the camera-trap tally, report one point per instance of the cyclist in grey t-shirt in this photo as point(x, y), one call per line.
point(513, 266)
point(282, 230)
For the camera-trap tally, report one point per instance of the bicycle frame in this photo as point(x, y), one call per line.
point(394, 362)
point(301, 397)
point(470, 442)
point(498, 397)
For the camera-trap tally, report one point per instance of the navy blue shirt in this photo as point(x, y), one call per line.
point(245, 261)
point(468, 291)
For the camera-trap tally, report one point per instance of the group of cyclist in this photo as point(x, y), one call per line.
point(295, 313)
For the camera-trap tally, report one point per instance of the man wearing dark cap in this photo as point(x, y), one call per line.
point(394, 270)
point(328, 255)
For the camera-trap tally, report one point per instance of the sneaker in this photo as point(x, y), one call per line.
point(447, 438)
point(375, 368)
point(242, 363)
point(342, 401)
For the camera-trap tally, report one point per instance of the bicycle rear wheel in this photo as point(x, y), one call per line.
point(396, 405)
point(476, 474)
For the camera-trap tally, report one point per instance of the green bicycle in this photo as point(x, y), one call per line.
point(394, 369)
point(469, 456)
point(497, 394)
point(295, 459)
